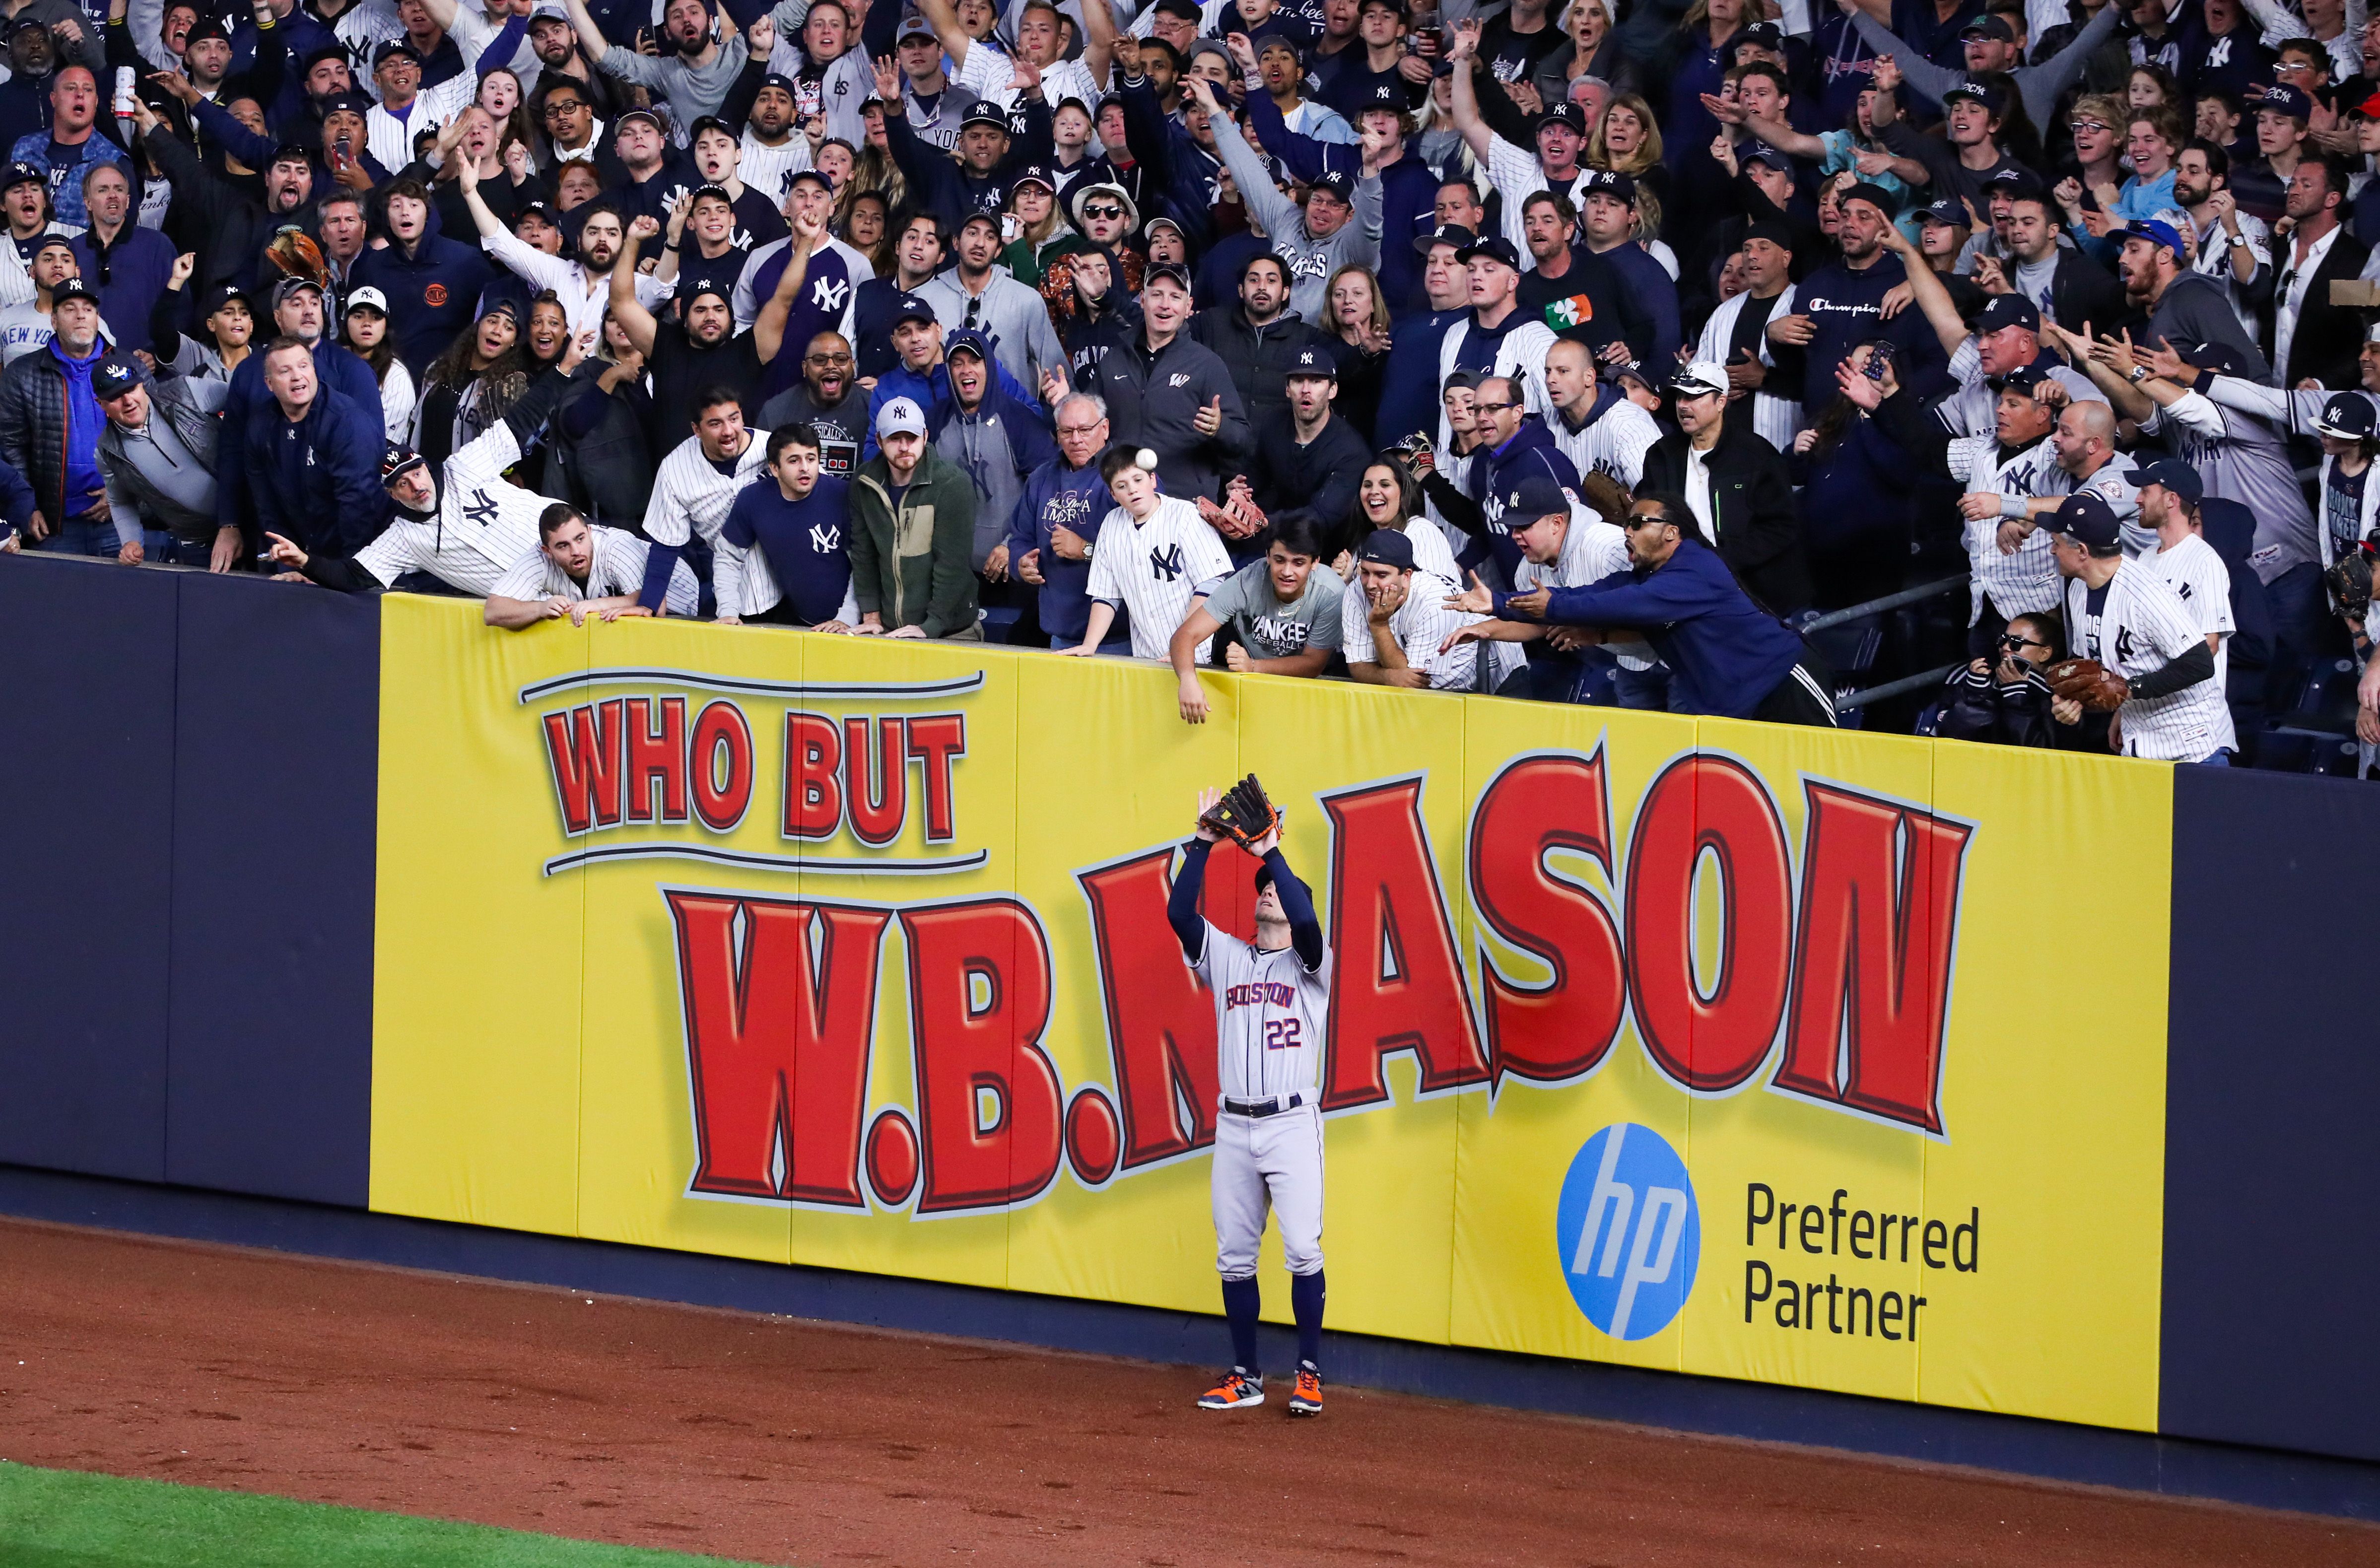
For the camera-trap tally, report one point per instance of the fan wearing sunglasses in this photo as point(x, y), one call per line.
point(2003, 698)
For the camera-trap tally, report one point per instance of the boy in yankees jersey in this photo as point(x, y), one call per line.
point(1272, 999)
point(2122, 613)
point(1155, 556)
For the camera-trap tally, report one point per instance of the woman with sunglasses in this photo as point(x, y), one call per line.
point(2003, 699)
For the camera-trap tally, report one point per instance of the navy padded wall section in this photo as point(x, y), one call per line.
point(2272, 1171)
point(276, 800)
point(87, 708)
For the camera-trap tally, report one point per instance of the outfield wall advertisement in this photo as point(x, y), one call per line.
point(1705, 1046)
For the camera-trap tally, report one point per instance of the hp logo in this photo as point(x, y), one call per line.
point(1628, 1232)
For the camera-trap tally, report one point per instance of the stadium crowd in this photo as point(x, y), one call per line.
point(1590, 353)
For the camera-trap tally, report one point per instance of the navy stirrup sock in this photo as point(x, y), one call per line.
point(1306, 1301)
point(1242, 1302)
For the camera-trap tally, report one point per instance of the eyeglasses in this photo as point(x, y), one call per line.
point(1078, 429)
point(826, 358)
point(2079, 126)
point(1492, 407)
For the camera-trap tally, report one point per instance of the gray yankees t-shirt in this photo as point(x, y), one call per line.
point(1270, 629)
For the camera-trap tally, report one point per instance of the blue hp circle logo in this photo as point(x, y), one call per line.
point(1628, 1232)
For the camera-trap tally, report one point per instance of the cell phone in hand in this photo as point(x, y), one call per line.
point(1879, 360)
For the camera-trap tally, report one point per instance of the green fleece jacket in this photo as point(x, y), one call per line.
point(912, 570)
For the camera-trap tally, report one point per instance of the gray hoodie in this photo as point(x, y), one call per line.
point(1310, 261)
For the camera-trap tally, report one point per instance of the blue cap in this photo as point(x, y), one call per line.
point(2088, 520)
point(2283, 99)
point(2175, 475)
point(2155, 230)
point(1313, 361)
point(972, 339)
point(912, 307)
point(19, 172)
point(1948, 214)
point(1389, 547)
point(1532, 497)
point(2349, 416)
point(2025, 379)
point(114, 376)
point(2007, 311)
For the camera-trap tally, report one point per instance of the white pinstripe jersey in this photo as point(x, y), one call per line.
point(2141, 626)
point(1419, 624)
point(2194, 571)
point(1269, 1017)
point(1154, 569)
point(2027, 581)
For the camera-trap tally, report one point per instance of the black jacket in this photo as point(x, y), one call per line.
point(2328, 337)
point(1154, 398)
point(1752, 503)
point(2081, 290)
point(1260, 356)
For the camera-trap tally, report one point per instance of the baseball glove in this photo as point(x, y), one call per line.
point(2349, 580)
point(1606, 494)
point(2090, 683)
point(1242, 815)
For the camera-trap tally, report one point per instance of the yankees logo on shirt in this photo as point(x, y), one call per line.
point(1154, 569)
point(2138, 623)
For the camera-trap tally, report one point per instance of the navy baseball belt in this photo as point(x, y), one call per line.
point(1272, 1107)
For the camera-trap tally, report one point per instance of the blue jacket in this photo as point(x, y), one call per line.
point(1496, 469)
point(249, 400)
point(1409, 396)
point(433, 294)
point(317, 481)
point(1078, 498)
point(17, 503)
point(1179, 174)
point(931, 393)
point(1727, 652)
point(65, 185)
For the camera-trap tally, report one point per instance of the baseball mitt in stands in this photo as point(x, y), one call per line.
point(2088, 682)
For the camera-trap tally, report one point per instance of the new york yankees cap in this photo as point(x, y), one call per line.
point(1494, 248)
point(973, 341)
point(912, 307)
point(114, 376)
point(22, 172)
point(2007, 311)
point(1534, 497)
point(900, 416)
point(984, 112)
point(1702, 378)
point(2349, 416)
point(1312, 362)
point(395, 458)
point(1611, 183)
point(70, 288)
point(1445, 234)
point(366, 299)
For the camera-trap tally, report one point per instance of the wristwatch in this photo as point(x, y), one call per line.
point(2239, 242)
point(2140, 374)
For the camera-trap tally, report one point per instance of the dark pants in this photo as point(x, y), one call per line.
point(1800, 698)
point(2304, 632)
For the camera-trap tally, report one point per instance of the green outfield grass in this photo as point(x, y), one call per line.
point(63, 1519)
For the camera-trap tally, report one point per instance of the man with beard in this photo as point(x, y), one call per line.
point(1841, 304)
point(695, 79)
point(575, 133)
point(700, 349)
point(580, 568)
point(658, 175)
point(978, 294)
point(583, 284)
point(771, 138)
point(2234, 247)
point(828, 399)
point(2182, 306)
point(987, 157)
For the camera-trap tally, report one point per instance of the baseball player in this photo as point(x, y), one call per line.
point(1155, 556)
point(2157, 665)
point(578, 568)
point(1272, 1000)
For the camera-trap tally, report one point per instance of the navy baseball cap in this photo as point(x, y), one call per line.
point(1494, 247)
point(2283, 99)
point(2216, 358)
point(823, 181)
point(2349, 416)
point(1034, 173)
point(1611, 183)
point(1384, 94)
point(353, 101)
point(971, 339)
point(687, 293)
point(2088, 520)
point(1563, 114)
point(1449, 233)
point(1537, 495)
point(2175, 475)
point(71, 288)
point(20, 172)
point(1949, 215)
point(1775, 233)
point(2024, 379)
point(911, 308)
point(1982, 92)
point(1389, 547)
point(396, 46)
point(1312, 361)
point(2007, 311)
point(1989, 27)
point(2157, 231)
point(222, 294)
point(2015, 179)
point(114, 376)
point(984, 112)
point(1335, 182)
point(1768, 35)
point(1761, 152)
